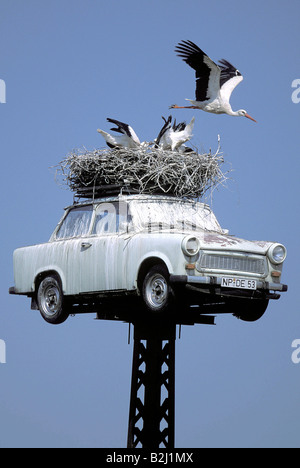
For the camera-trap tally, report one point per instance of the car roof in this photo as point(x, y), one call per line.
point(130, 198)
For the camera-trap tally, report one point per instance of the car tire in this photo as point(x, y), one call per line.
point(251, 310)
point(50, 300)
point(157, 293)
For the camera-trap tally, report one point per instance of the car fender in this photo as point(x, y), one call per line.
point(50, 269)
point(161, 256)
point(152, 255)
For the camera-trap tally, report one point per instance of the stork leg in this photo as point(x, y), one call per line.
point(174, 106)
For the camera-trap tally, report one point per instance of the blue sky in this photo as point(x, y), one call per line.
point(67, 66)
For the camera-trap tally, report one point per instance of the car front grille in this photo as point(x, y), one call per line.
point(232, 262)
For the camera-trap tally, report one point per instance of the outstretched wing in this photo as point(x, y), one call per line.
point(179, 127)
point(230, 78)
point(207, 72)
point(165, 128)
point(125, 129)
point(121, 127)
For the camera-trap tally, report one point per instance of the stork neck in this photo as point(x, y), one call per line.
point(233, 113)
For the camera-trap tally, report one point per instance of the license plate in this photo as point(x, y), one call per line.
point(239, 283)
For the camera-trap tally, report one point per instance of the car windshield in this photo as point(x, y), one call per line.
point(170, 215)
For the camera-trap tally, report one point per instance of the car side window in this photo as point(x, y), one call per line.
point(76, 223)
point(111, 218)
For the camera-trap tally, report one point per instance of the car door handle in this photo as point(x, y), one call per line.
point(86, 245)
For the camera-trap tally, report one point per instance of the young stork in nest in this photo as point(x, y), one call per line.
point(125, 137)
point(173, 137)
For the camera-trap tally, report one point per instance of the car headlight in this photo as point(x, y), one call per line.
point(190, 246)
point(277, 253)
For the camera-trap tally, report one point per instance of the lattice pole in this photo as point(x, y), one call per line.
point(152, 403)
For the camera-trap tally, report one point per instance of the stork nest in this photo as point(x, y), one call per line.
point(144, 170)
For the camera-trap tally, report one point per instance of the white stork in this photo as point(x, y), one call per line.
point(126, 136)
point(173, 137)
point(214, 83)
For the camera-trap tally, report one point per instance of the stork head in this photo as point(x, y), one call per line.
point(243, 113)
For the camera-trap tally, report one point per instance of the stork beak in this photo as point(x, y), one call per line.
point(249, 117)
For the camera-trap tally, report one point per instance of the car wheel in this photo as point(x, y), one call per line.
point(250, 310)
point(50, 300)
point(157, 292)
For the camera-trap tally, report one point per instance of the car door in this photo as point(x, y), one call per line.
point(102, 251)
point(65, 252)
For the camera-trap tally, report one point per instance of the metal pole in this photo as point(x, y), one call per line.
point(153, 373)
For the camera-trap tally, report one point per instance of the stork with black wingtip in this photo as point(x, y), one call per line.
point(174, 136)
point(214, 83)
point(125, 138)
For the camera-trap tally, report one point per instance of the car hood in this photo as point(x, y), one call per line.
point(216, 241)
point(212, 240)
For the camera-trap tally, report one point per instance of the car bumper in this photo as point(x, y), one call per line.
point(212, 284)
point(14, 291)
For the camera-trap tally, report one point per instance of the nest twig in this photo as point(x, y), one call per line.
point(146, 170)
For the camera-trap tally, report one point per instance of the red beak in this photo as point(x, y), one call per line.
point(249, 117)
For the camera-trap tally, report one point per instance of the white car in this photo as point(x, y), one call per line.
point(165, 253)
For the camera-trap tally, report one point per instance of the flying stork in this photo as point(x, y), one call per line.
point(214, 83)
point(126, 136)
point(173, 137)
